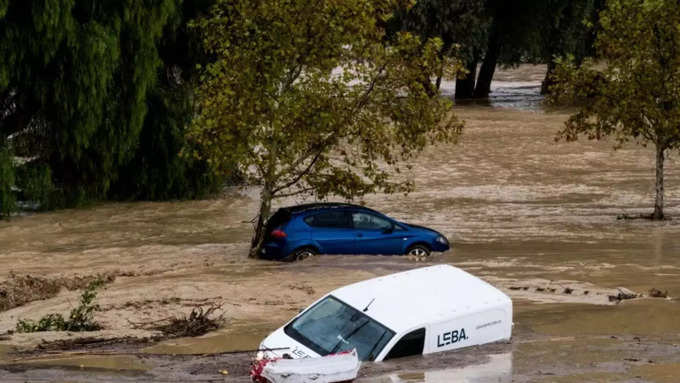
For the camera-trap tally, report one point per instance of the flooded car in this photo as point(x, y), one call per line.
point(297, 232)
point(421, 311)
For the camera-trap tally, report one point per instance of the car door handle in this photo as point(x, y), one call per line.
point(360, 235)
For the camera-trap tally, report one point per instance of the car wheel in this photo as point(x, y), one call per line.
point(300, 254)
point(418, 251)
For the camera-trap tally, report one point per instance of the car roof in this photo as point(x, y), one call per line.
point(297, 209)
point(415, 298)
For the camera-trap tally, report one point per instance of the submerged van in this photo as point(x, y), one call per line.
point(421, 311)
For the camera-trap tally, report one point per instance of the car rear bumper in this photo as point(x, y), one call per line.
point(272, 250)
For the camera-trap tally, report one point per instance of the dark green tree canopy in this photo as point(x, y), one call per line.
point(100, 92)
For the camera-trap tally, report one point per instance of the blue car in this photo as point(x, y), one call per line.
point(297, 232)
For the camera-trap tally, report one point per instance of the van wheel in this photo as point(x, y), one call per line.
point(300, 254)
point(418, 251)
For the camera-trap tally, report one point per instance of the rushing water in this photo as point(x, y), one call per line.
point(524, 212)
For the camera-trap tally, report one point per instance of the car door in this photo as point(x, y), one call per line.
point(332, 230)
point(376, 235)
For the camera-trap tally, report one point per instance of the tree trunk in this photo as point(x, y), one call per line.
point(465, 87)
point(483, 86)
point(658, 202)
point(440, 73)
point(548, 81)
point(263, 214)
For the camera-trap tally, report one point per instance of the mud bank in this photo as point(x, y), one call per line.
point(520, 210)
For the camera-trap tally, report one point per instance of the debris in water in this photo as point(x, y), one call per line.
point(200, 321)
point(623, 294)
point(341, 367)
point(656, 293)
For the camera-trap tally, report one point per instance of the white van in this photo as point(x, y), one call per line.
point(421, 311)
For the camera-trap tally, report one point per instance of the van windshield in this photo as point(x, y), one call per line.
point(332, 326)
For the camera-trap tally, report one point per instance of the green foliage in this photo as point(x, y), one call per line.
point(459, 23)
point(88, 87)
point(50, 322)
point(633, 95)
point(567, 28)
point(81, 318)
point(36, 184)
point(307, 98)
point(157, 171)
point(7, 195)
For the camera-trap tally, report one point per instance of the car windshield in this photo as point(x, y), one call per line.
point(332, 326)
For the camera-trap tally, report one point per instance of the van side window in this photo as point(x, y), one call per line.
point(410, 344)
point(334, 219)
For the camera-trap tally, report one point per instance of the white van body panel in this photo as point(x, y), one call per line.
point(442, 299)
point(468, 330)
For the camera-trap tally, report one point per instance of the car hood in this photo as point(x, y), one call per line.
point(423, 228)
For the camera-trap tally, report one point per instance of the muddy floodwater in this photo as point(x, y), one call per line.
point(535, 217)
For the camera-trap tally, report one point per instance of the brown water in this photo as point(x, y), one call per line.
point(522, 211)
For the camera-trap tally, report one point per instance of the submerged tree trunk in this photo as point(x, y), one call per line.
point(483, 86)
point(548, 81)
point(259, 235)
point(465, 87)
point(658, 202)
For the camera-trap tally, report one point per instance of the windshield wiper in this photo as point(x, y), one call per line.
point(346, 339)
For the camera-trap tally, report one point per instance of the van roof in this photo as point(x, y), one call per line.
point(412, 299)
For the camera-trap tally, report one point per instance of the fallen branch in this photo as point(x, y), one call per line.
point(201, 320)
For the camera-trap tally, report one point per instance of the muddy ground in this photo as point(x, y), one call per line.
point(535, 217)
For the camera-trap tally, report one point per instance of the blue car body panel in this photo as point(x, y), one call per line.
point(344, 229)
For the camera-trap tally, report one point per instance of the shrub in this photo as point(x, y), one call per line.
point(81, 318)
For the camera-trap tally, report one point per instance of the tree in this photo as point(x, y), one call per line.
point(461, 25)
point(156, 171)
point(514, 30)
point(566, 28)
point(99, 94)
point(75, 75)
point(634, 97)
point(310, 98)
point(7, 198)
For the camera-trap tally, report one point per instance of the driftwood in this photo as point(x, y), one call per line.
point(201, 320)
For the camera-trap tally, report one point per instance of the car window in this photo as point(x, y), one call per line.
point(366, 221)
point(337, 219)
point(409, 345)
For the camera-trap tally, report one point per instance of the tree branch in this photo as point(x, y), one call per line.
point(301, 174)
point(298, 192)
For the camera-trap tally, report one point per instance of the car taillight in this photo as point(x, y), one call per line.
point(278, 234)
